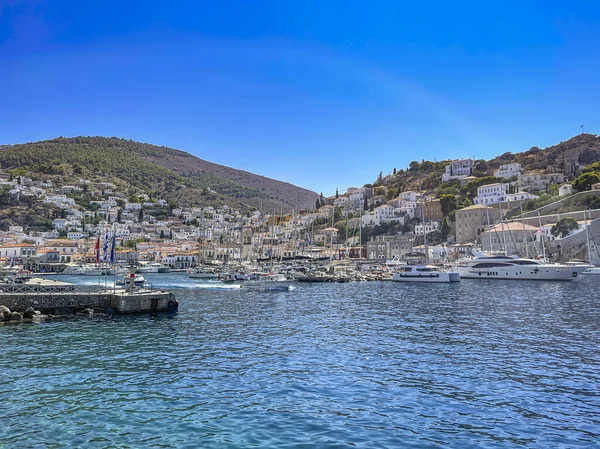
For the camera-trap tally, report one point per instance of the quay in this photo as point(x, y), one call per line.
point(60, 298)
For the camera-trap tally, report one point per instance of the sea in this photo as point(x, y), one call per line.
point(478, 364)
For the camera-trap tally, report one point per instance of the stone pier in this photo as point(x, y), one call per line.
point(119, 301)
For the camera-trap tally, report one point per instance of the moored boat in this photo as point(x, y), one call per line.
point(268, 281)
point(198, 273)
point(424, 273)
point(496, 266)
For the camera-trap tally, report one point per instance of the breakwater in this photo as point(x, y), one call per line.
point(71, 299)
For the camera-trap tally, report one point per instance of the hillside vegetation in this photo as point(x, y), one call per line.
point(159, 171)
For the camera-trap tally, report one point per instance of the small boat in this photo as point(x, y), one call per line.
point(578, 266)
point(424, 273)
point(138, 281)
point(91, 270)
point(197, 273)
point(153, 267)
point(592, 270)
point(23, 276)
point(75, 269)
point(268, 281)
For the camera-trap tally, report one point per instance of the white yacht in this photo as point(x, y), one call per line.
point(153, 267)
point(511, 267)
point(424, 273)
point(199, 273)
point(268, 282)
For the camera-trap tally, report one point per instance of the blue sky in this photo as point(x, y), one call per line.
point(322, 94)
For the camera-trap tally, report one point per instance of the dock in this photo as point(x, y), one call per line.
point(60, 298)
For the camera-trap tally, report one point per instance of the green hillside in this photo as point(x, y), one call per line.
point(157, 171)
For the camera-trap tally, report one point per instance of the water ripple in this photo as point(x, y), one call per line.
point(480, 364)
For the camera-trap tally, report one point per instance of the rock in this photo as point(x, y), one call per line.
point(86, 312)
point(1, 317)
point(4, 309)
point(16, 316)
point(29, 313)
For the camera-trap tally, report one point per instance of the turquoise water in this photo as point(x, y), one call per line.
point(369, 365)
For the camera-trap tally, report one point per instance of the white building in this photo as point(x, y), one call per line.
point(491, 193)
point(508, 170)
point(565, 189)
point(340, 201)
point(428, 226)
point(458, 169)
point(133, 206)
point(520, 196)
point(409, 195)
point(536, 182)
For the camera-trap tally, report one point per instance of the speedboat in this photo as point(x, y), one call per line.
point(592, 270)
point(579, 267)
point(424, 273)
point(268, 281)
point(511, 267)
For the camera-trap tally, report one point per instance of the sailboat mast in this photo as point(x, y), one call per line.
point(423, 224)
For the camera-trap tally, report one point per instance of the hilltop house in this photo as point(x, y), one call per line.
point(537, 182)
point(491, 193)
point(458, 169)
point(508, 170)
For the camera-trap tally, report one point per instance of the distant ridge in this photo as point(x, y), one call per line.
point(164, 171)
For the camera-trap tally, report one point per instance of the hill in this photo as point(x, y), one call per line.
point(158, 171)
point(568, 157)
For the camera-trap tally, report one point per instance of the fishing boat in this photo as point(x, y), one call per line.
point(424, 273)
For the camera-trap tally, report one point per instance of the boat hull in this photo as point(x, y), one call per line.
point(430, 278)
point(525, 273)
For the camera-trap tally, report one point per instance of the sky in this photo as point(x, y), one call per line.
point(323, 94)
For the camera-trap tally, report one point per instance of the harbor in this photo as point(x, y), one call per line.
point(371, 364)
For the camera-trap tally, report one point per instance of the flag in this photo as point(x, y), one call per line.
point(105, 248)
point(112, 249)
point(97, 250)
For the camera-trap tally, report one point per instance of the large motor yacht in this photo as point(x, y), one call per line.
point(496, 266)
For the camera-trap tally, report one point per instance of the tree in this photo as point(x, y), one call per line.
point(445, 229)
point(394, 170)
point(585, 181)
point(162, 233)
point(563, 227)
point(141, 214)
point(380, 177)
point(337, 195)
point(365, 204)
point(317, 204)
point(413, 166)
point(447, 203)
point(391, 194)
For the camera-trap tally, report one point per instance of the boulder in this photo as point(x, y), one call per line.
point(86, 312)
point(16, 316)
point(1, 317)
point(30, 312)
point(4, 309)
